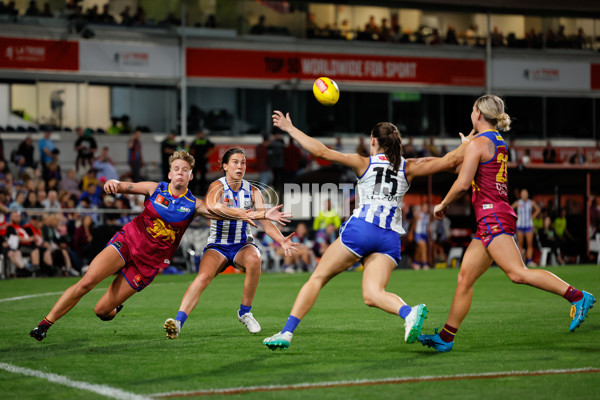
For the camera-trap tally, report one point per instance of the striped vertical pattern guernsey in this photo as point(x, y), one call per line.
point(381, 192)
point(232, 232)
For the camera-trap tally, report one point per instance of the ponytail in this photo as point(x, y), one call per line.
point(390, 140)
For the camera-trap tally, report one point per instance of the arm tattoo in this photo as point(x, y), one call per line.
point(129, 187)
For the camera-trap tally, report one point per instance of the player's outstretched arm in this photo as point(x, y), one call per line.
point(473, 155)
point(316, 148)
point(432, 165)
point(114, 186)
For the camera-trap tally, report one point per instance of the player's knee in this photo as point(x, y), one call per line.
point(370, 298)
point(84, 286)
point(252, 262)
point(103, 313)
point(517, 276)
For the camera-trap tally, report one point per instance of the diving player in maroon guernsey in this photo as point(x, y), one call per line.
point(484, 169)
point(147, 243)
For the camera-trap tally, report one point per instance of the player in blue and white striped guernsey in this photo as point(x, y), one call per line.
point(230, 242)
point(527, 210)
point(373, 232)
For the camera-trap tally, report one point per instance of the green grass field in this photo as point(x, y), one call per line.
point(509, 328)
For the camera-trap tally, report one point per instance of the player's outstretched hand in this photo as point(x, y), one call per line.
point(439, 211)
point(287, 245)
point(273, 214)
point(111, 186)
point(282, 122)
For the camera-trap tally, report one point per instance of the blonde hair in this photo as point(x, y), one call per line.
point(492, 109)
point(182, 155)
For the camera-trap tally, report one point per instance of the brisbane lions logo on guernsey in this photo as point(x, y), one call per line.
point(161, 230)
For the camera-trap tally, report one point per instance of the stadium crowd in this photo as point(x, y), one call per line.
point(384, 30)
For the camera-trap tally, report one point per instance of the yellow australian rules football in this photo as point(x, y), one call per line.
point(326, 91)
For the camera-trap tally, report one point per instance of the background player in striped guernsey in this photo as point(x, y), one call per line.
point(168, 210)
point(484, 169)
point(527, 210)
point(230, 242)
point(373, 231)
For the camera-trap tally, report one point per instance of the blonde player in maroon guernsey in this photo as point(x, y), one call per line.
point(484, 169)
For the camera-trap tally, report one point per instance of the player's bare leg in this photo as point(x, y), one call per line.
point(212, 261)
point(104, 264)
point(248, 259)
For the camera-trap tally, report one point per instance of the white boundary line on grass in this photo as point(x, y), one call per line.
point(368, 382)
point(103, 390)
point(29, 296)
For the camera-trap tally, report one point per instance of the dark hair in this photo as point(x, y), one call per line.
point(389, 139)
point(229, 153)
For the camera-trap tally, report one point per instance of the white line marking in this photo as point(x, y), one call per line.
point(29, 296)
point(103, 390)
point(365, 382)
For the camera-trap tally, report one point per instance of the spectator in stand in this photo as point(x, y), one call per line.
point(275, 159)
point(265, 175)
point(293, 156)
point(551, 39)
point(167, 147)
point(324, 238)
point(106, 17)
point(594, 210)
point(51, 202)
point(126, 18)
point(52, 170)
point(534, 40)
point(497, 38)
point(32, 200)
point(93, 193)
point(548, 238)
point(139, 18)
point(3, 167)
point(260, 27)
point(565, 239)
point(371, 26)
point(435, 39)
point(105, 166)
point(85, 146)
point(18, 241)
point(51, 231)
point(440, 238)
point(69, 183)
point(83, 238)
point(451, 36)
point(201, 149)
point(362, 149)
point(328, 217)
point(47, 11)
point(578, 158)
point(18, 203)
point(421, 238)
point(581, 40)
point(32, 9)
point(89, 177)
point(211, 21)
point(92, 14)
point(304, 259)
point(549, 154)
point(135, 158)
point(385, 33)
point(38, 249)
point(24, 154)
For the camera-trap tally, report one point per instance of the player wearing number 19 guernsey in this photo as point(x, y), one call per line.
point(372, 233)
